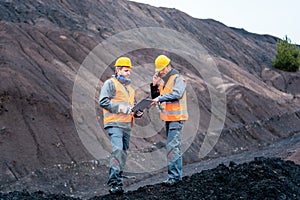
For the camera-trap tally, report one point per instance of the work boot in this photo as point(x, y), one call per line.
point(116, 190)
point(171, 182)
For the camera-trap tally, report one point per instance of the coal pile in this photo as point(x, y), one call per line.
point(39, 195)
point(262, 178)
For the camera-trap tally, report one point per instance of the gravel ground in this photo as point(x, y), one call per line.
point(262, 178)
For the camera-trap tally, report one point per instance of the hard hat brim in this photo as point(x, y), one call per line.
point(158, 70)
point(126, 66)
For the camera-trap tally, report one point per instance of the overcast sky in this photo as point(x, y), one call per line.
point(274, 17)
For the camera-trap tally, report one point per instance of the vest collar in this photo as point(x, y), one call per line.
point(171, 72)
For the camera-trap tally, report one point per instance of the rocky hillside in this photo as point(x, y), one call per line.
point(44, 43)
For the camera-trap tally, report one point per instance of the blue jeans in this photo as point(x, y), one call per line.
point(174, 155)
point(119, 139)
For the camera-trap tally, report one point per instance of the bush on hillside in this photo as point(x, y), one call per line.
point(287, 57)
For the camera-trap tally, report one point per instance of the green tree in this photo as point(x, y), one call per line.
point(287, 57)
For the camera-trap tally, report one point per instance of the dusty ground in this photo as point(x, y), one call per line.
point(245, 175)
point(259, 179)
point(263, 178)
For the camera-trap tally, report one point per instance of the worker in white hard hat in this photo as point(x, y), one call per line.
point(168, 89)
point(117, 98)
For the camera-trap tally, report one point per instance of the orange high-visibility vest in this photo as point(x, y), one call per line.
point(122, 97)
point(175, 110)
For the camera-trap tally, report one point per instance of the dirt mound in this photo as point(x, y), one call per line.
point(262, 178)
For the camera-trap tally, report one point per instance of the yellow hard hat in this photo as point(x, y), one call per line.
point(123, 62)
point(161, 62)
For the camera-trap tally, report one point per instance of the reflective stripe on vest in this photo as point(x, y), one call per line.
point(173, 110)
point(122, 97)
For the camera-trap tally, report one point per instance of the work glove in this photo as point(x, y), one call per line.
point(138, 114)
point(124, 109)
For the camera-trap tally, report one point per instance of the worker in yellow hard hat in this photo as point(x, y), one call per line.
point(117, 98)
point(168, 90)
